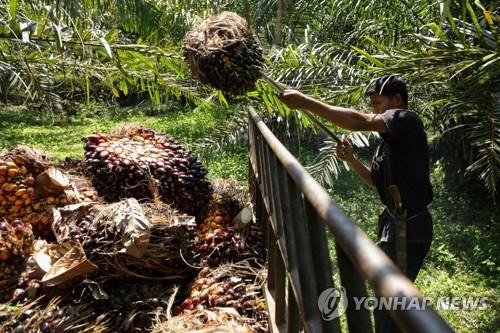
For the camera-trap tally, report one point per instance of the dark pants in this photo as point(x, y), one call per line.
point(415, 255)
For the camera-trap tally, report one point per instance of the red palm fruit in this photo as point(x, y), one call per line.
point(5, 253)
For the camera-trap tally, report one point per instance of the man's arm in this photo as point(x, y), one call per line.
point(346, 118)
point(362, 171)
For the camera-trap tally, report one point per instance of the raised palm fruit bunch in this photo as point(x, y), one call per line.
point(24, 179)
point(139, 163)
point(219, 241)
point(224, 52)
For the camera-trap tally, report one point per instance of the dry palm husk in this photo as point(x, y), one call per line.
point(122, 241)
point(230, 190)
point(221, 320)
point(41, 315)
point(224, 52)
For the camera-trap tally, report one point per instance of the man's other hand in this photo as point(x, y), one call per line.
point(293, 99)
point(344, 151)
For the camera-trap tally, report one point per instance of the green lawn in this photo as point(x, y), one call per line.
point(463, 260)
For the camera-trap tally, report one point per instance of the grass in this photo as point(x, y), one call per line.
point(463, 260)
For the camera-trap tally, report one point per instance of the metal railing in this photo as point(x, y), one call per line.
point(294, 210)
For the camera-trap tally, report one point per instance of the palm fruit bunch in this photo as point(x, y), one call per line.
point(126, 305)
point(107, 232)
point(140, 163)
point(15, 239)
point(236, 286)
point(224, 52)
point(20, 176)
point(219, 241)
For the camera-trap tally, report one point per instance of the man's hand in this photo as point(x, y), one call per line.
point(293, 99)
point(344, 151)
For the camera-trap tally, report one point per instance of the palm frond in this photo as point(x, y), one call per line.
point(326, 168)
point(460, 61)
point(229, 133)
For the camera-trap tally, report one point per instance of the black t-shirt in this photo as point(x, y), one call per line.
point(408, 168)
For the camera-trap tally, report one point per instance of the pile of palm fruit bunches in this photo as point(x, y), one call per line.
point(108, 242)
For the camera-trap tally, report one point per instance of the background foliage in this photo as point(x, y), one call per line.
point(128, 51)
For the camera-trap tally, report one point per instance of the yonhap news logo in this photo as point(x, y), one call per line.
point(332, 303)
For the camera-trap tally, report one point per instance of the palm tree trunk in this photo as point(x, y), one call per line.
point(246, 11)
point(278, 27)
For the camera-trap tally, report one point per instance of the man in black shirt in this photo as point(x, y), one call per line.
point(401, 159)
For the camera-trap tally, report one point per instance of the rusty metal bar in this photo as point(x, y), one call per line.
point(280, 291)
point(293, 316)
point(307, 277)
point(252, 148)
point(272, 254)
point(277, 197)
point(265, 174)
point(262, 170)
point(368, 259)
point(275, 290)
point(358, 321)
point(291, 251)
point(278, 219)
point(280, 269)
point(268, 162)
point(261, 185)
point(321, 260)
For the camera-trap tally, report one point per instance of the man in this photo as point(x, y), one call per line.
point(401, 159)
